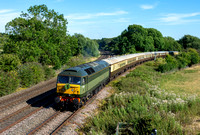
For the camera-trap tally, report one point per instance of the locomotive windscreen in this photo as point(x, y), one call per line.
point(69, 79)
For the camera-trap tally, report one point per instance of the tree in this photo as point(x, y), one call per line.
point(86, 46)
point(171, 44)
point(189, 41)
point(40, 35)
point(157, 38)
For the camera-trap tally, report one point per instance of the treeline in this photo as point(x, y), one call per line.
point(138, 39)
point(35, 42)
point(184, 59)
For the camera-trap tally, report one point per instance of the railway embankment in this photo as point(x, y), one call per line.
point(147, 100)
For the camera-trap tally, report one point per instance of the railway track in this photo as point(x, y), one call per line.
point(28, 96)
point(23, 113)
point(105, 54)
point(66, 121)
point(25, 95)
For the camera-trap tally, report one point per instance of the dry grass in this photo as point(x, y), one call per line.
point(183, 82)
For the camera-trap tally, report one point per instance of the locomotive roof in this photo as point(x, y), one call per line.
point(85, 69)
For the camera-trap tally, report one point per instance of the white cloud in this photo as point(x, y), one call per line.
point(148, 6)
point(82, 16)
point(7, 15)
point(173, 19)
point(5, 11)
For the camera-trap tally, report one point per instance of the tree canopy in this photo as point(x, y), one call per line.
point(189, 41)
point(139, 39)
point(86, 46)
point(40, 35)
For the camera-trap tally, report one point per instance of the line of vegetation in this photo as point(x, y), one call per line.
point(139, 39)
point(139, 101)
point(184, 59)
point(15, 75)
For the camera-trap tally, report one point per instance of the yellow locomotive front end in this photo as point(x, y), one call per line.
point(68, 90)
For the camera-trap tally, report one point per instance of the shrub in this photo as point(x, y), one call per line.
point(194, 56)
point(183, 60)
point(159, 61)
point(49, 72)
point(9, 82)
point(31, 73)
point(171, 63)
point(9, 62)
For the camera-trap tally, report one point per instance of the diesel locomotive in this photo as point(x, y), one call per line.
point(76, 85)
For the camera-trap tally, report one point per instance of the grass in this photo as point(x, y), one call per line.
point(141, 99)
point(182, 82)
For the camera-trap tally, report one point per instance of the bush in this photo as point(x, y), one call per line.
point(171, 63)
point(31, 73)
point(194, 56)
point(9, 62)
point(49, 72)
point(9, 82)
point(183, 60)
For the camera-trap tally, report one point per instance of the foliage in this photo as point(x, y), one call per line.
point(31, 73)
point(171, 44)
point(189, 41)
point(48, 72)
point(103, 43)
point(146, 109)
point(194, 56)
point(9, 62)
point(171, 63)
point(136, 38)
point(9, 82)
point(86, 46)
point(159, 61)
point(3, 38)
point(40, 36)
point(183, 59)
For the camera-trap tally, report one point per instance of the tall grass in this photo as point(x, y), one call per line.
point(139, 100)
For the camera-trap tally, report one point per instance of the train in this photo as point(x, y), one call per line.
point(76, 85)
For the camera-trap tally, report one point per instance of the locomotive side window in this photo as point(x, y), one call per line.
point(83, 82)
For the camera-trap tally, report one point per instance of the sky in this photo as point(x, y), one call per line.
point(98, 19)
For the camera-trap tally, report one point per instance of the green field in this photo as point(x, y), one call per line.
point(148, 99)
point(183, 82)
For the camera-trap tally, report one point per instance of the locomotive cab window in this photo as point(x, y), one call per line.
point(69, 79)
point(83, 81)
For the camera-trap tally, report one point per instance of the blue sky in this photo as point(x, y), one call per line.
point(108, 18)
